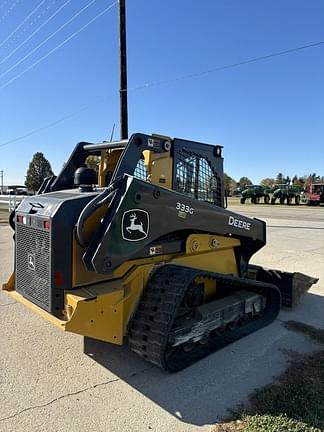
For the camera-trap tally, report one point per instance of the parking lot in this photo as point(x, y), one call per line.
point(55, 381)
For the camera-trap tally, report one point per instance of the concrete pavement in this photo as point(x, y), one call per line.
point(55, 381)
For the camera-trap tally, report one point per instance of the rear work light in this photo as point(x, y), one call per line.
point(21, 219)
point(46, 224)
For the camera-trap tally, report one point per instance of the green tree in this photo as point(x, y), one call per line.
point(298, 182)
point(244, 181)
point(229, 184)
point(39, 168)
point(268, 182)
point(280, 179)
point(314, 177)
point(311, 178)
point(301, 180)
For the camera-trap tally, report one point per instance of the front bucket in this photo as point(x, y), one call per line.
point(291, 285)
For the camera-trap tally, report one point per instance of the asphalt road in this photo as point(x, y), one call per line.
point(55, 381)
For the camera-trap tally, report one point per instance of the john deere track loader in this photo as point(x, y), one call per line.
point(141, 249)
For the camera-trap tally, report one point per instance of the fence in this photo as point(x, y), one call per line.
point(10, 201)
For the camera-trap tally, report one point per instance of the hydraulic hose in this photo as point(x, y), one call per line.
point(104, 197)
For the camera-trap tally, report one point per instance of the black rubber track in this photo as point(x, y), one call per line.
point(150, 327)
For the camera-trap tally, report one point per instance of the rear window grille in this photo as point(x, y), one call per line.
point(140, 171)
point(196, 178)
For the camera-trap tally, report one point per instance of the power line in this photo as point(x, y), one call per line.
point(58, 46)
point(22, 23)
point(194, 75)
point(33, 21)
point(48, 38)
point(49, 125)
point(36, 31)
point(228, 66)
point(13, 5)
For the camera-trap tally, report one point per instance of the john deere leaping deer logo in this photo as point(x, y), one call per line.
point(135, 225)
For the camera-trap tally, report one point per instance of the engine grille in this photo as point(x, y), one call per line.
point(33, 273)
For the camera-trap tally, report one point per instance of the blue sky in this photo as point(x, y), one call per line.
point(268, 115)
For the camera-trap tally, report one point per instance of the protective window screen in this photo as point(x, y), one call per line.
point(140, 171)
point(195, 177)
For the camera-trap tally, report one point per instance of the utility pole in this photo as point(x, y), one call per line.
point(123, 71)
point(1, 182)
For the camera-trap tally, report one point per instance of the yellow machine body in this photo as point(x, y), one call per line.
point(102, 310)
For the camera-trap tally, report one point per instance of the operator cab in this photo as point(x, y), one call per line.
point(190, 168)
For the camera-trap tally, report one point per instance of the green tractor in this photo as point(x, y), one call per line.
point(285, 193)
point(255, 193)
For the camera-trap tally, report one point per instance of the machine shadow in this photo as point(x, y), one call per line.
point(215, 384)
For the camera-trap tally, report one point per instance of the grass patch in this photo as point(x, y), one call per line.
point(298, 392)
point(266, 423)
point(294, 402)
point(280, 423)
point(232, 426)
